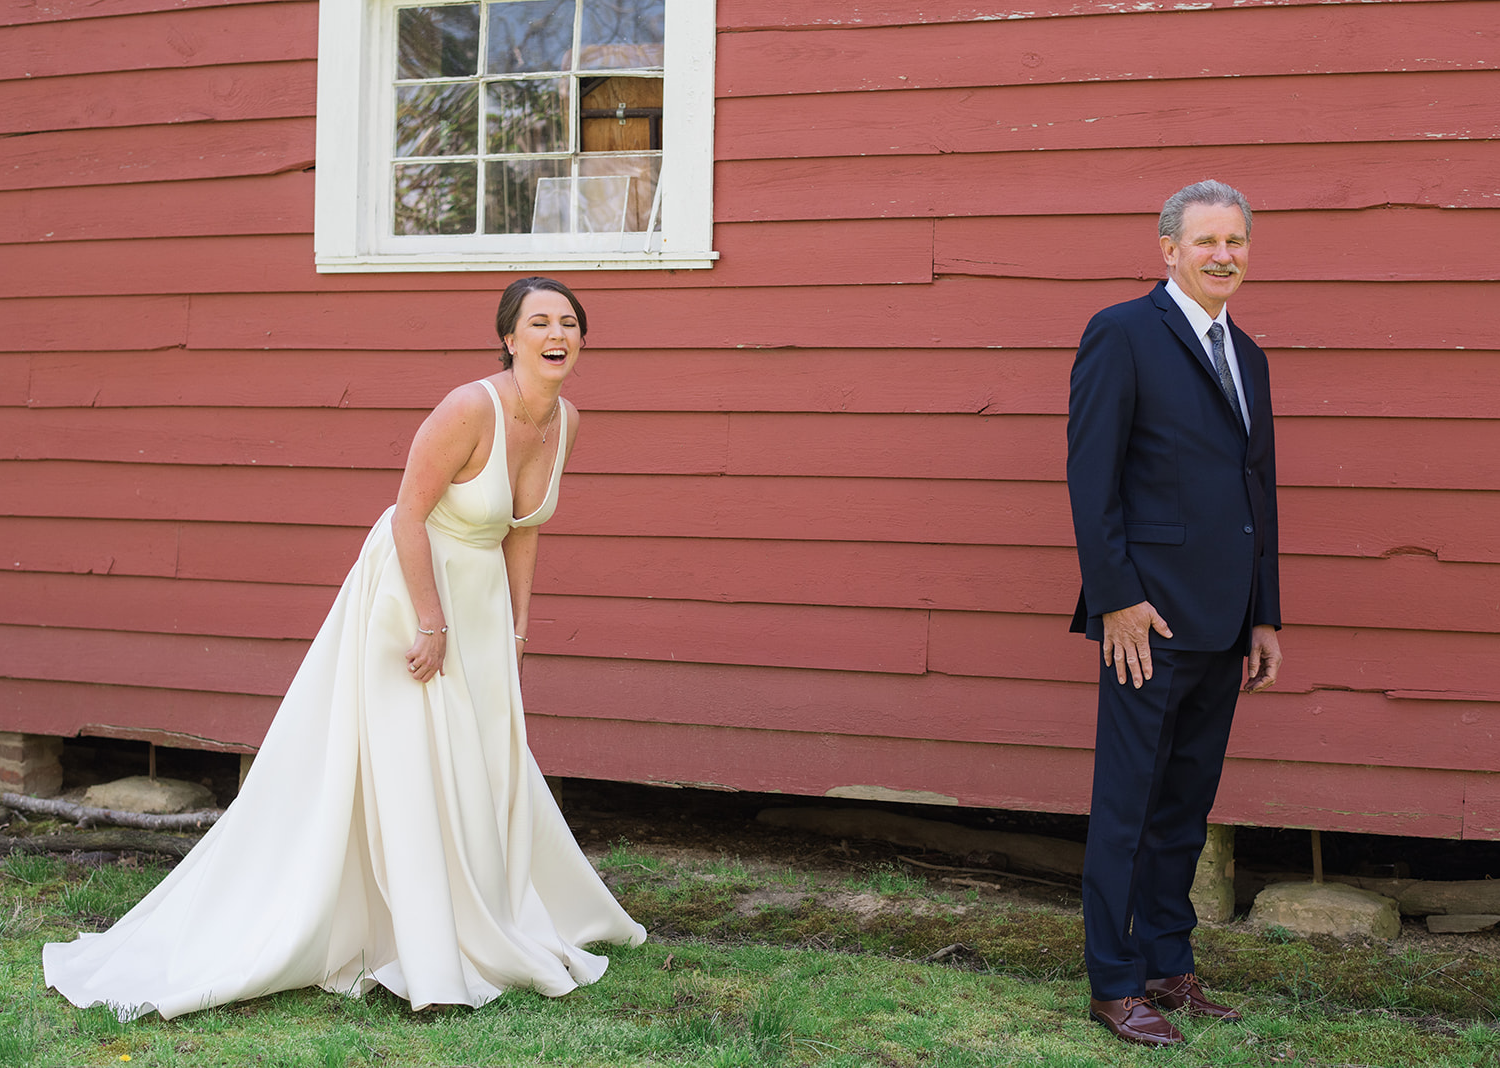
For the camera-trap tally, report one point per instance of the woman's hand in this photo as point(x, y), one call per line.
point(425, 657)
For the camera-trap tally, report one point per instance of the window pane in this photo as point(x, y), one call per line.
point(437, 120)
point(436, 198)
point(437, 42)
point(527, 116)
point(510, 192)
point(643, 172)
point(621, 34)
point(620, 114)
point(530, 35)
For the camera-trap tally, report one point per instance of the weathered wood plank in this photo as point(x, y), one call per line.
point(1335, 382)
point(975, 578)
point(1331, 591)
point(953, 312)
point(877, 704)
point(1357, 658)
point(187, 719)
point(1433, 595)
point(1372, 244)
point(701, 380)
point(1431, 385)
point(1325, 727)
point(1456, 525)
point(1413, 106)
point(740, 15)
point(1336, 38)
point(192, 94)
point(36, 544)
point(304, 437)
point(856, 252)
point(1375, 245)
point(849, 639)
point(262, 204)
point(1414, 453)
point(1481, 806)
point(15, 378)
point(1406, 801)
point(1450, 524)
point(202, 37)
point(156, 153)
point(685, 442)
point(163, 606)
point(19, 12)
point(1125, 180)
point(1312, 451)
point(1327, 796)
point(101, 323)
point(278, 553)
point(131, 658)
point(199, 493)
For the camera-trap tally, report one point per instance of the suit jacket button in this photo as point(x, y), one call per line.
point(1249, 530)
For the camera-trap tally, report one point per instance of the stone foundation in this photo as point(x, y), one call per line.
point(29, 764)
point(1213, 883)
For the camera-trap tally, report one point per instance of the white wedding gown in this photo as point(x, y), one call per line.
point(389, 832)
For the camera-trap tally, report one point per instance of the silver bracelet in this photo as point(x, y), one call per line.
point(440, 630)
point(521, 639)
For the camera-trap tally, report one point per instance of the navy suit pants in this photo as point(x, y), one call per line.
point(1157, 761)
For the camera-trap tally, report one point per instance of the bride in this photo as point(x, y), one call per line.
point(394, 828)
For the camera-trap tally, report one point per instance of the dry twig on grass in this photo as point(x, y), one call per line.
point(85, 816)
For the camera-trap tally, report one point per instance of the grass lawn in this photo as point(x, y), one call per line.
point(777, 967)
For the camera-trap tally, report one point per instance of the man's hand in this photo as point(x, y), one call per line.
point(1265, 658)
point(1127, 641)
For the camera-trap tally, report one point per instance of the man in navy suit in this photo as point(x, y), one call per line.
point(1172, 478)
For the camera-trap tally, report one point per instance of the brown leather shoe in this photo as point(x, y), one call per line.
point(1135, 1020)
point(1184, 992)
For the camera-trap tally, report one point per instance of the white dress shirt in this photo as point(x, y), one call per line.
point(1199, 320)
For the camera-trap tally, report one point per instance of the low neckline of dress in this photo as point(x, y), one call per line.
point(498, 439)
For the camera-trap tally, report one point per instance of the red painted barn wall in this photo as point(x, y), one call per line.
point(815, 536)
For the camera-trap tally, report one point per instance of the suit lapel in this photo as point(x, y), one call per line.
point(1175, 321)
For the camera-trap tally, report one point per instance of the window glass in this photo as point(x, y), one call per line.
point(437, 120)
point(437, 42)
point(526, 115)
point(435, 198)
point(621, 33)
point(529, 35)
point(557, 145)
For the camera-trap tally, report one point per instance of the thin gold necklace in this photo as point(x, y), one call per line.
point(522, 398)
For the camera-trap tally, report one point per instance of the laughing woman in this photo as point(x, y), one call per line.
point(395, 828)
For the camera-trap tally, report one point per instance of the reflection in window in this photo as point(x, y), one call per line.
point(559, 125)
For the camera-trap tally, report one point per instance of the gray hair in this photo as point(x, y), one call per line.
point(1208, 191)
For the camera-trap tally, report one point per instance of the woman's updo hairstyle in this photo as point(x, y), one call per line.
point(509, 311)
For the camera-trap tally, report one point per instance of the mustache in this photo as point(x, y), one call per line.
point(1228, 268)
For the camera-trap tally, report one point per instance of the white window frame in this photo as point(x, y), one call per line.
point(353, 82)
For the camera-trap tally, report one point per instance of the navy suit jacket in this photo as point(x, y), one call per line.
point(1173, 502)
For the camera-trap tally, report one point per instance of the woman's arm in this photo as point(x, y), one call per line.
point(520, 547)
point(443, 448)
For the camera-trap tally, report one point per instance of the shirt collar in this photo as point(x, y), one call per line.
point(1197, 318)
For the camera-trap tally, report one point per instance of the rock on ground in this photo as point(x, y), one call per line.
point(1327, 908)
point(156, 796)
